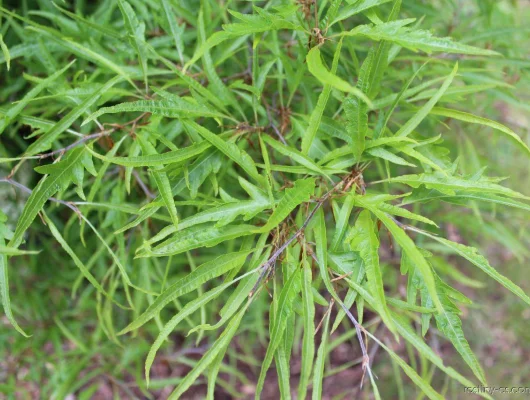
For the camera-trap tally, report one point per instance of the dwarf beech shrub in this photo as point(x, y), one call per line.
point(241, 184)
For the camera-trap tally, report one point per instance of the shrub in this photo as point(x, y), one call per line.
point(236, 176)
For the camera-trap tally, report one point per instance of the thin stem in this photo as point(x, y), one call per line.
point(29, 191)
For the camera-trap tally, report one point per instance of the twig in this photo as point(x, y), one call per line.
point(270, 262)
point(75, 144)
point(28, 190)
point(331, 303)
point(359, 330)
point(271, 124)
point(141, 183)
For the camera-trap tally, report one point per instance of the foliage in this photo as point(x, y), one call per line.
point(236, 175)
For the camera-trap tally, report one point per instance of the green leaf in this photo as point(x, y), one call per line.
point(379, 201)
point(379, 152)
point(5, 51)
point(15, 110)
point(356, 112)
point(282, 314)
point(319, 71)
point(356, 8)
point(295, 155)
point(4, 280)
point(381, 58)
point(9, 251)
point(466, 117)
point(408, 333)
point(136, 32)
point(222, 214)
point(292, 198)
point(413, 123)
point(174, 108)
point(415, 39)
point(175, 30)
point(459, 198)
point(318, 112)
point(408, 247)
point(162, 182)
point(60, 176)
point(263, 22)
point(196, 237)
point(364, 239)
point(82, 51)
point(449, 185)
point(220, 345)
point(448, 322)
point(410, 372)
point(472, 255)
point(84, 270)
point(186, 311)
point(45, 141)
point(189, 283)
point(318, 375)
point(155, 160)
point(231, 150)
point(308, 342)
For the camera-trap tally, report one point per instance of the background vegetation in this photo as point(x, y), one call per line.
point(193, 193)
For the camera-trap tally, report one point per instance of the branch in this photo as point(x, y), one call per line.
point(28, 190)
point(75, 144)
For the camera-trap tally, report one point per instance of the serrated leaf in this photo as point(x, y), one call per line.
point(4, 280)
point(415, 39)
point(317, 113)
point(162, 182)
point(319, 71)
point(295, 155)
point(175, 30)
point(474, 119)
point(136, 31)
point(356, 8)
point(60, 176)
point(448, 322)
point(292, 198)
point(167, 108)
point(379, 152)
point(170, 326)
point(413, 123)
point(356, 112)
point(219, 346)
point(229, 149)
point(155, 160)
point(5, 51)
point(318, 374)
point(222, 214)
point(472, 255)
point(15, 110)
point(408, 247)
point(308, 341)
point(204, 235)
point(189, 283)
point(45, 141)
point(283, 312)
point(365, 241)
point(449, 185)
point(380, 202)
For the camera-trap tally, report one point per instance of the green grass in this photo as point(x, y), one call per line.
point(282, 199)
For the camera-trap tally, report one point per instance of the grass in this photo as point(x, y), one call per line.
point(262, 199)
